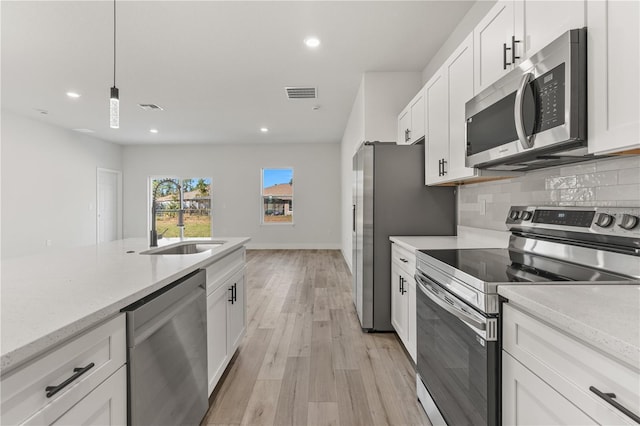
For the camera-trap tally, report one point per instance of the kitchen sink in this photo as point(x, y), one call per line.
point(185, 248)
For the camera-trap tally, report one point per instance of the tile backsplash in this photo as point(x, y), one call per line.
point(605, 182)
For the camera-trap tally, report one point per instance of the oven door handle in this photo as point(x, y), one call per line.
point(525, 141)
point(440, 301)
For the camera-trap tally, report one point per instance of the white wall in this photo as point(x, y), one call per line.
point(374, 117)
point(235, 172)
point(49, 185)
point(464, 28)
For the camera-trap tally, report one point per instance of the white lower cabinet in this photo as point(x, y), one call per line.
point(105, 405)
point(528, 400)
point(226, 313)
point(549, 377)
point(82, 381)
point(403, 298)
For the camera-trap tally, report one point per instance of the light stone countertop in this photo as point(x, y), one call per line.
point(467, 238)
point(604, 316)
point(47, 298)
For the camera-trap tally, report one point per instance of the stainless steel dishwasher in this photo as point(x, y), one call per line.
point(167, 355)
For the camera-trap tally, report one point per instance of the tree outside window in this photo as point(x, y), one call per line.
point(277, 196)
point(197, 195)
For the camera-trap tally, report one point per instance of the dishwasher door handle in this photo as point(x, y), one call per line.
point(156, 323)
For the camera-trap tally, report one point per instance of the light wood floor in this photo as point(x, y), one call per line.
point(305, 360)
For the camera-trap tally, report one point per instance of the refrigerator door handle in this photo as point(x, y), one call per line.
point(353, 219)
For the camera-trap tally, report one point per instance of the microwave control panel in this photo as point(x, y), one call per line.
point(549, 94)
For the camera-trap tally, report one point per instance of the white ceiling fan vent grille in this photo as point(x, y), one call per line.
point(150, 107)
point(301, 92)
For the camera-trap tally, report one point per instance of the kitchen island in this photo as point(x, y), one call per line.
point(48, 298)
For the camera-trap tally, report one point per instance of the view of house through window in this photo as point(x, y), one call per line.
point(196, 194)
point(277, 195)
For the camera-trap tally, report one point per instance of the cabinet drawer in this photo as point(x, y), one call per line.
point(572, 367)
point(23, 391)
point(406, 259)
point(219, 271)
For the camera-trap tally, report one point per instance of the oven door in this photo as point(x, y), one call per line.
point(458, 356)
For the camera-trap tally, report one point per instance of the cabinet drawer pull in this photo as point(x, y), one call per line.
point(52, 390)
point(609, 397)
point(403, 260)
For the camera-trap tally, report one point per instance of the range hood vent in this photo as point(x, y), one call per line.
point(150, 107)
point(301, 92)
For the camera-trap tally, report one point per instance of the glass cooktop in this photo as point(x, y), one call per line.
point(503, 265)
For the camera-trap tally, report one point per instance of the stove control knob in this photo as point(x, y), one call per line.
point(628, 221)
point(604, 220)
point(514, 215)
point(526, 215)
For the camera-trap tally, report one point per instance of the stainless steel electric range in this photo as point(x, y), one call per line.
point(458, 329)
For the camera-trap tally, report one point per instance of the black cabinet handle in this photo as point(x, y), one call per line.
point(235, 292)
point(403, 260)
point(399, 284)
point(231, 290)
point(609, 397)
point(402, 290)
point(513, 49)
point(504, 56)
point(444, 172)
point(407, 135)
point(52, 390)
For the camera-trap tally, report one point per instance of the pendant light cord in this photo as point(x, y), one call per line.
point(114, 43)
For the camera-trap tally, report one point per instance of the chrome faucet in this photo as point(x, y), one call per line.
point(153, 240)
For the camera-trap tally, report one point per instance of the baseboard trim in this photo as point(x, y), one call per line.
point(293, 246)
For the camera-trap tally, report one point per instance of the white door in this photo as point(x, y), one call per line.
point(107, 205)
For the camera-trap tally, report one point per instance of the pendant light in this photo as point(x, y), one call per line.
point(114, 101)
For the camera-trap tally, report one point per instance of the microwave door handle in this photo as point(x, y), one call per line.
point(435, 298)
point(518, 115)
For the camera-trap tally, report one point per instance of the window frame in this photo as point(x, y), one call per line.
point(180, 179)
point(261, 208)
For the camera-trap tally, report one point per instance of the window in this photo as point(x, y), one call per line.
point(196, 193)
point(277, 196)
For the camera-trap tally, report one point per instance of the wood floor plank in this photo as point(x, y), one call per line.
point(292, 409)
point(323, 414)
point(301, 341)
point(275, 358)
point(261, 409)
point(353, 406)
point(322, 383)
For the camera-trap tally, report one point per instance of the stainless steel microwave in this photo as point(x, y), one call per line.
point(536, 115)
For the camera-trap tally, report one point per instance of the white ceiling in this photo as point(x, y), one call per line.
point(218, 68)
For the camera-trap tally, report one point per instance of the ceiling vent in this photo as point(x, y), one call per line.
point(301, 92)
point(150, 107)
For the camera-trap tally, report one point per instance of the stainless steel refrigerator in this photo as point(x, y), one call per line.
point(390, 198)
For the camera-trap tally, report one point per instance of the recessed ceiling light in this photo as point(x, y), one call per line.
point(153, 130)
point(73, 95)
point(312, 42)
point(84, 130)
point(264, 129)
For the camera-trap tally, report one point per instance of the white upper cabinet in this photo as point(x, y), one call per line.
point(613, 70)
point(437, 127)
point(513, 30)
point(411, 121)
point(541, 22)
point(459, 70)
point(494, 43)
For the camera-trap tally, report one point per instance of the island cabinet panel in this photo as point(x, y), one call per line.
point(226, 312)
point(43, 390)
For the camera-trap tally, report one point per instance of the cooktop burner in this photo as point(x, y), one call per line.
point(504, 265)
